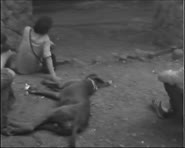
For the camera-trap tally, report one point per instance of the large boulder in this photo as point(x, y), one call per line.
point(168, 23)
point(15, 15)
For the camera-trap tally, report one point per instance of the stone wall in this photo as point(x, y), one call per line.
point(168, 23)
point(15, 15)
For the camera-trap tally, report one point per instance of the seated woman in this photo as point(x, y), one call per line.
point(34, 52)
point(7, 76)
point(173, 84)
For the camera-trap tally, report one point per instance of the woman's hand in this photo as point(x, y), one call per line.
point(32, 90)
point(57, 80)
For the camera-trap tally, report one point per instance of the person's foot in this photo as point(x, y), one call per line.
point(158, 109)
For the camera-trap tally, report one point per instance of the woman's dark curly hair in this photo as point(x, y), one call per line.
point(3, 38)
point(43, 25)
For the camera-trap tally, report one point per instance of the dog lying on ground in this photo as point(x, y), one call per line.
point(173, 84)
point(73, 108)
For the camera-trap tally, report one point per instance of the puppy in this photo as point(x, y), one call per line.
point(73, 107)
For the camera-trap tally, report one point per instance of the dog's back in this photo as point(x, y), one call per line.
point(76, 99)
point(74, 93)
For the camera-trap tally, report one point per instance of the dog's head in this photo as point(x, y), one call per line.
point(97, 82)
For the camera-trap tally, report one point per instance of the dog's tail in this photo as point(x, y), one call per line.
point(72, 140)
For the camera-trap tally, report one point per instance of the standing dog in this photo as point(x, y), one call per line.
point(73, 107)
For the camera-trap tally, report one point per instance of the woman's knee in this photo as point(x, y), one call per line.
point(7, 76)
point(11, 63)
point(11, 73)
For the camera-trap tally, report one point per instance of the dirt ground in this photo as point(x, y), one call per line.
point(121, 115)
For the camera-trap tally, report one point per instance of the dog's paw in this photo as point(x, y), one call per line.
point(158, 109)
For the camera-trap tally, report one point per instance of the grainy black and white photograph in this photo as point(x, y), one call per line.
point(92, 73)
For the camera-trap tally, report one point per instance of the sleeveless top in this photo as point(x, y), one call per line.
point(26, 60)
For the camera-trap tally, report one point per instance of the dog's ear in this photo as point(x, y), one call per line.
point(92, 76)
point(98, 80)
point(100, 83)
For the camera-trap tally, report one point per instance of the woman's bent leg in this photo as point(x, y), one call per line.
point(7, 76)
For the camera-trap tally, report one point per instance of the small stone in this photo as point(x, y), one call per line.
point(83, 73)
point(163, 145)
point(110, 82)
point(115, 86)
point(107, 140)
point(125, 119)
point(134, 134)
point(121, 145)
point(153, 71)
point(93, 130)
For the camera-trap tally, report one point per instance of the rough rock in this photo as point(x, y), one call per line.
point(168, 23)
point(15, 15)
point(177, 54)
